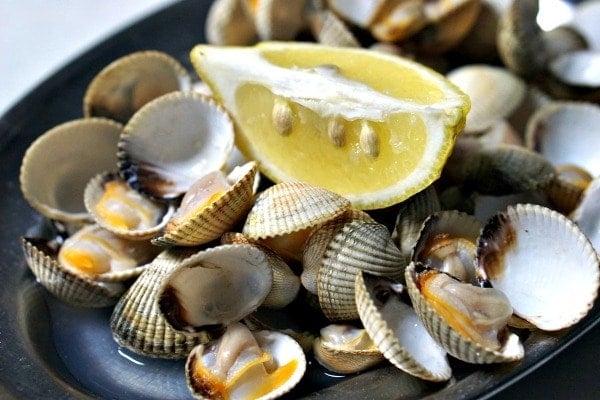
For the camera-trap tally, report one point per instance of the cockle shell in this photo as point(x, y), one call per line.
point(345, 349)
point(278, 19)
point(230, 22)
point(269, 219)
point(495, 93)
point(286, 283)
point(79, 291)
point(136, 323)
point(411, 214)
point(54, 171)
point(587, 213)
point(118, 208)
point(520, 41)
point(344, 248)
point(543, 263)
point(245, 365)
point(567, 133)
point(125, 85)
point(215, 287)
point(329, 29)
point(173, 141)
point(101, 255)
point(497, 170)
point(454, 342)
point(448, 242)
point(397, 331)
point(314, 253)
point(218, 212)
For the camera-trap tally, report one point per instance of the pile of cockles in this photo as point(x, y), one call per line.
point(166, 222)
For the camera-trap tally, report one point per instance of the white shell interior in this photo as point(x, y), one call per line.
point(176, 139)
point(222, 284)
point(549, 271)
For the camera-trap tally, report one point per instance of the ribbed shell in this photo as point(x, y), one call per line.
point(543, 263)
point(136, 322)
point(70, 288)
point(315, 248)
point(452, 341)
point(217, 218)
point(172, 141)
point(567, 187)
point(352, 247)
point(54, 174)
point(344, 358)
point(289, 207)
point(329, 29)
point(411, 215)
point(126, 84)
point(94, 191)
point(391, 338)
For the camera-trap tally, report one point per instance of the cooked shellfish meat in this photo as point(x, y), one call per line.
point(245, 365)
point(95, 251)
point(124, 208)
point(481, 314)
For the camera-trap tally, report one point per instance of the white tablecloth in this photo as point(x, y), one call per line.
point(37, 37)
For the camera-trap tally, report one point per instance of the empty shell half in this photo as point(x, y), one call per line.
point(173, 141)
point(544, 264)
point(58, 165)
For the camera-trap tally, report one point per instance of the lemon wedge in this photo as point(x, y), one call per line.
point(372, 127)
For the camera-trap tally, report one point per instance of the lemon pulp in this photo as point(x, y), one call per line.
point(410, 114)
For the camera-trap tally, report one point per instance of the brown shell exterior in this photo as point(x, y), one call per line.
point(217, 218)
point(289, 207)
point(136, 322)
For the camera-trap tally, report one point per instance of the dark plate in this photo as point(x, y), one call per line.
point(48, 350)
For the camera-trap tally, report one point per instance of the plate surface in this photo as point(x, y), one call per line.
point(36, 360)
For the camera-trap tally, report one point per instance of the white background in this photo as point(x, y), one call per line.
point(37, 37)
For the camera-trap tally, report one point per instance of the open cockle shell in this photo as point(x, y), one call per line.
point(136, 323)
point(73, 289)
point(285, 284)
point(447, 242)
point(349, 247)
point(245, 365)
point(397, 331)
point(454, 342)
point(566, 133)
point(173, 141)
point(543, 263)
point(126, 84)
point(345, 349)
point(118, 208)
point(58, 165)
point(219, 208)
point(215, 287)
point(99, 254)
